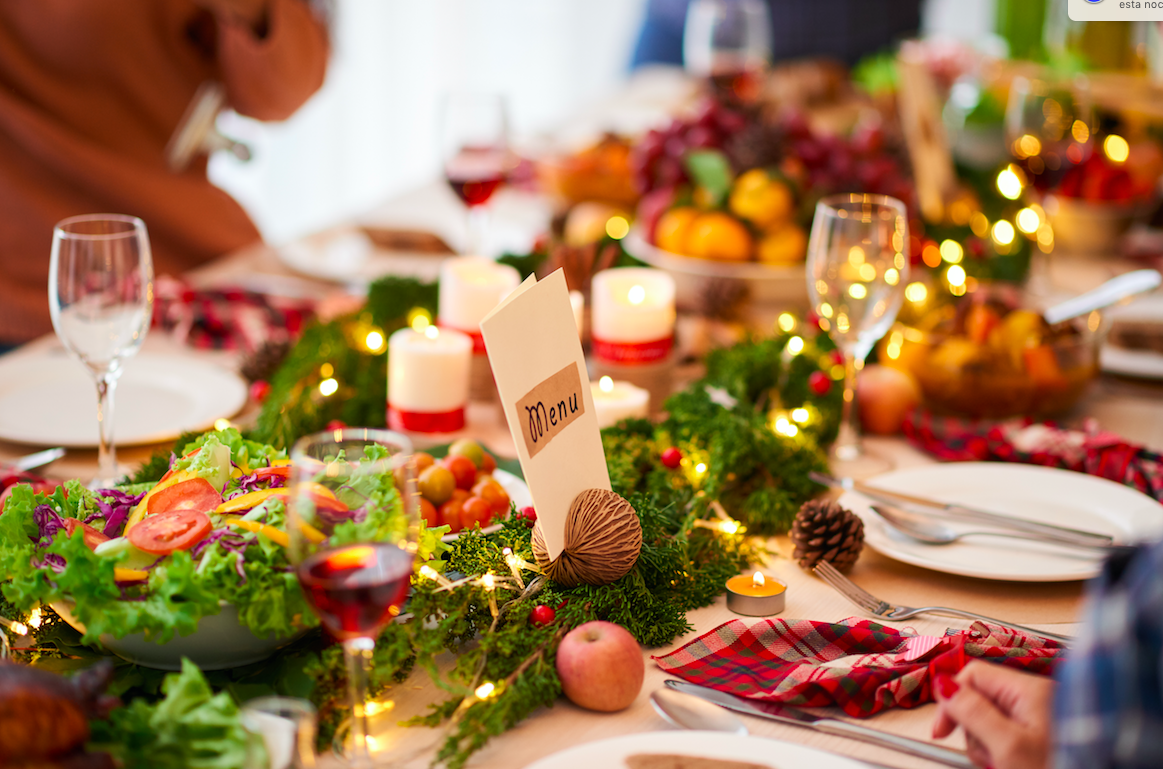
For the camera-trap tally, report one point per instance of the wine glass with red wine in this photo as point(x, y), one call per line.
point(474, 129)
point(353, 523)
point(729, 43)
point(1049, 129)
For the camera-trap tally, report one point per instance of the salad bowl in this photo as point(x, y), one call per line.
point(221, 642)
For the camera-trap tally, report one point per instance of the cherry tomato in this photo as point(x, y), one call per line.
point(194, 494)
point(462, 469)
point(450, 514)
point(164, 533)
point(492, 492)
point(476, 510)
point(428, 513)
point(488, 462)
point(92, 536)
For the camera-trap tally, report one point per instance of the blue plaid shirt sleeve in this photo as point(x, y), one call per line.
point(1109, 702)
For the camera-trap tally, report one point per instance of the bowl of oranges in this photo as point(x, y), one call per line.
point(751, 240)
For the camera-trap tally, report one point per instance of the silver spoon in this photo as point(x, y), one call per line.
point(1127, 284)
point(688, 712)
point(932, 532)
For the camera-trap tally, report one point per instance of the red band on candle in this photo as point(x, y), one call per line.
point(478, 341)
point(632, 352)
point(426, 421)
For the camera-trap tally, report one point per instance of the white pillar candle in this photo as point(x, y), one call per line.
point(470, 287)
point(615, 401)
point(428, 378)
point(577, 300)
point(632, 320)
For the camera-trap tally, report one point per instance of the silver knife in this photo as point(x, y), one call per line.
point(966, 513)
point(39, 459)
point(786, 714)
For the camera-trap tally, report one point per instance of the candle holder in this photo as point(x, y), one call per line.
point(756, 595)
point(615, 401)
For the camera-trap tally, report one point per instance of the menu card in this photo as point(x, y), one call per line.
point(537, 361)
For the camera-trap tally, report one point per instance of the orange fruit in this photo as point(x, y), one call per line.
point(670, 234)
point(716, 235)
point(760, 199)
point(785, 245)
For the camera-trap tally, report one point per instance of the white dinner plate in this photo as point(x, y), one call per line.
point(1043, 494)
point(613, 753)
point(49, 399)
point(518, 493)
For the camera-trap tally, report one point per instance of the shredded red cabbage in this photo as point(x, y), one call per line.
point(117, 512)
point(53, 561)
point(48, 523)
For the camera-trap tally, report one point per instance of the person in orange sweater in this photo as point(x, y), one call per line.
point(90, 93)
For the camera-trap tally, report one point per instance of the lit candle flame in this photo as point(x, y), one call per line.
point(758, 580)
point(432, 332)
point(606, 384)
point(637, 295)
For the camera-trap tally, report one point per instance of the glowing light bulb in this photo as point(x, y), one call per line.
point(1028, 221)
point(1009, 185)
point(799, 415)
point(1003, 232)
point(617, 227)
point(729, 527)
point(374, 341)
point(485, 690)
point(328, 387)
point(951, 251)
point(1116, 148)
point(787, 322)
point(795, 345)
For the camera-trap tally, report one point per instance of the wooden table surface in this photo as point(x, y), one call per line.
point(1133, 409)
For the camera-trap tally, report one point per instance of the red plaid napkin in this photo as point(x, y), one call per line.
point(1090, 450)
point(857, 665)
point(226, 318)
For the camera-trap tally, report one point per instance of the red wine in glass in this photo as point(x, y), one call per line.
point(475, 173)
point(356, 589)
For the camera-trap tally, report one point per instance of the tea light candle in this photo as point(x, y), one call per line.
point(615, 401)
point(470, 287)
point(428, 378)
point(577, 301)
point(756, 595)
point(633, 315)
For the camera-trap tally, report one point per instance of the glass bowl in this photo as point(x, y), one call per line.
point(988, 355)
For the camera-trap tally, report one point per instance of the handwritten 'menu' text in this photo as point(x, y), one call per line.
point(549, 407)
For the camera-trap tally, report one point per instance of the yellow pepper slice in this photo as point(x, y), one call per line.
point(313, 535)
point(129, 575)
point(249, 500)
point(277, 536)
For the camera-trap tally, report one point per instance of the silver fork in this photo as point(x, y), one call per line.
point(895, 612)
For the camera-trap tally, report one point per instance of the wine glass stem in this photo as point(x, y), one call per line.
point(358, 654)
point(847, 445)
point(478, 225)
point(106, 450)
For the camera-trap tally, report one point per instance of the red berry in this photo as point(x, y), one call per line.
point(530, 515)
point(820, 383)
point(335, 424)
point(837, 357)
point(672, 457)
point(259, 390)
point(542, 615)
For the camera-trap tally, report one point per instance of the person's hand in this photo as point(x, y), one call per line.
point(1005, 714)
point(252, 13)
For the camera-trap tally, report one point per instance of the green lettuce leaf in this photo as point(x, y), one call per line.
point(191, 728)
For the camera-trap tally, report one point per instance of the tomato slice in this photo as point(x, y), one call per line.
point(91, 535)
point(195, 494)
point(275, 471)
point(164, 533)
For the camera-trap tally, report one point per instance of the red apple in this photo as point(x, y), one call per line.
point(885, 395)
point(600, 666)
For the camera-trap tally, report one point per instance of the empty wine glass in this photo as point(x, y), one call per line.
point(100, 291)
point(474, 137)
point(729, 43)
point(1049, 128)
point(857, 268)
point(353, 523)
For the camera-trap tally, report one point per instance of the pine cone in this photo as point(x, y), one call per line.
point(824, 531)
point(265, 361)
